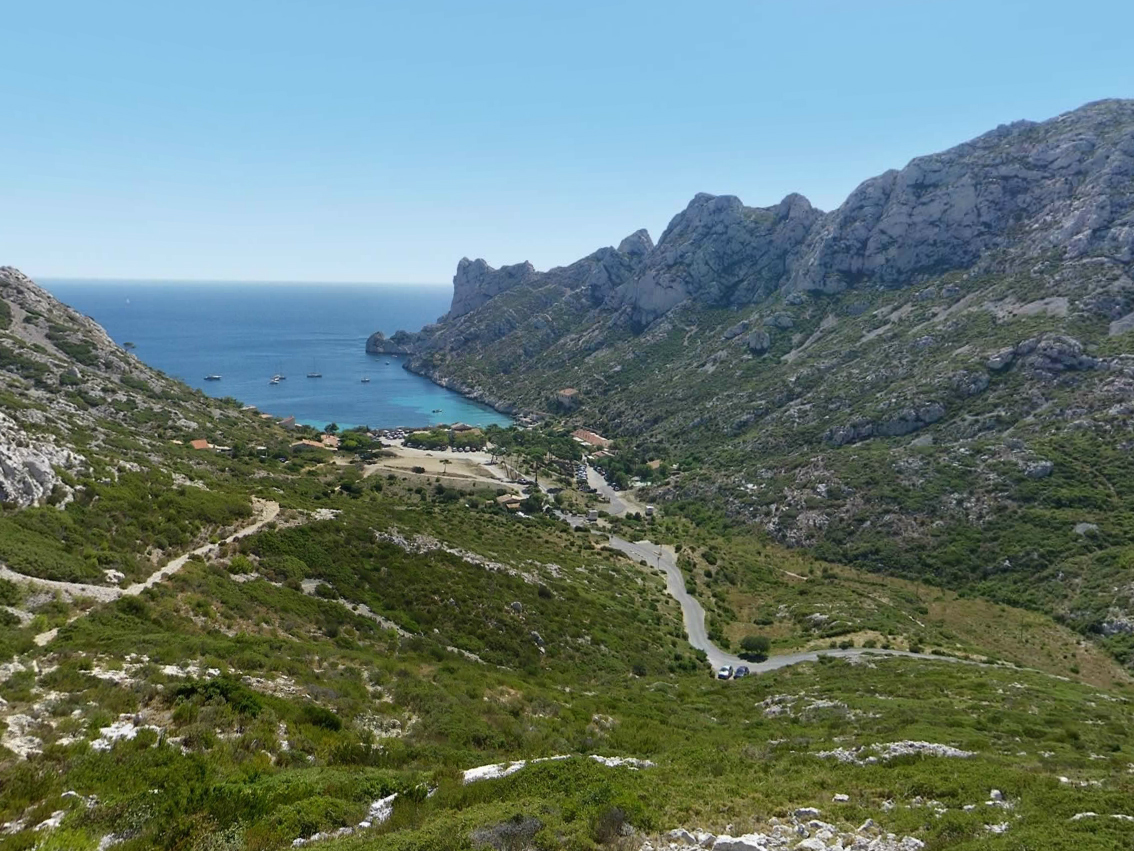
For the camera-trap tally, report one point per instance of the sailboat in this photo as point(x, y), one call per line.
point(279, 376)
point(366, 379)
point(314, 373)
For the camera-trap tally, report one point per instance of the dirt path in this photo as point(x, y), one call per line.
point(264, 511)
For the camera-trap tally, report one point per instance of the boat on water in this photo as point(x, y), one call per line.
point(314, 373)
point(213, 377)
point(436, 410)
point(275, 380)
point(366, 379)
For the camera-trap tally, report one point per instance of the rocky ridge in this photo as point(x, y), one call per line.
point(1012, 194)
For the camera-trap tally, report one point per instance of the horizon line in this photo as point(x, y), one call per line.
point(354, 283)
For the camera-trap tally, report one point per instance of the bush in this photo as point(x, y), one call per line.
point(755, 647)
point(318, 716)
point(226, 690)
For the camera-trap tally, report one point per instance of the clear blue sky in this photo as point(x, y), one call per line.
point(373, 141)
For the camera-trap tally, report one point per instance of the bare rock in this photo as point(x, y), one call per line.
point(758, 342)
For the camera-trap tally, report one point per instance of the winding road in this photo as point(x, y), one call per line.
point(664, 559)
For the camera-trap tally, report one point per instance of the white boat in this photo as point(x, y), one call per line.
point(365, 379)
point(213, 377)
point(275, 380)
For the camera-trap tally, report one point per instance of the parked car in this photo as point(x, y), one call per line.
point(741, 671)
point(725, 673)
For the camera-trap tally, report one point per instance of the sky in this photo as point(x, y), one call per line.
point(375, 141)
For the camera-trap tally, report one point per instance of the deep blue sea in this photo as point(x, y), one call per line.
point(247, 332)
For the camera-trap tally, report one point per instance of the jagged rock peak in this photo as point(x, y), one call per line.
point(718, 252)
point(638, 244)
point(476, 282)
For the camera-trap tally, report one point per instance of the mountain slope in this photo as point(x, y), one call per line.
point(381, 661)
point(935, 379)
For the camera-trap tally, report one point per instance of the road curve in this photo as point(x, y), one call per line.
point(664, 559)
point(692, 613)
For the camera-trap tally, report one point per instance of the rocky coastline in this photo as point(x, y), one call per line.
point(401, 344)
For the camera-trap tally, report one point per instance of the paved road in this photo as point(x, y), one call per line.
point(693, 615)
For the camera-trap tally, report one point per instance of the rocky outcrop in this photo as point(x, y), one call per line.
point(400, 343)
point(803, 830)
point(758, 342)
point(30, 465)
point(1024, 188)
point(1045, 357)
point(906, 421)
point(719, 252)
point(476, 282)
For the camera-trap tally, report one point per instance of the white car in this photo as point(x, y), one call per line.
point(725, 673)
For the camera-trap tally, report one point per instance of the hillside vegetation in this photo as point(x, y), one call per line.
point(934, 381)
point(263, 644)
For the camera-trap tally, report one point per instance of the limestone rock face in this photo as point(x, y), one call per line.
point(476, 282)
point(719, 252)
point(638, 244)
point(29, 465)
point(1025, 188)
point(1005, 197)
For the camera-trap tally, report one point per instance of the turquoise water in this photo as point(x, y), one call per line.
point(247, 332)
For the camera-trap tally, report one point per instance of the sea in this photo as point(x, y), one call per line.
point(248, 332)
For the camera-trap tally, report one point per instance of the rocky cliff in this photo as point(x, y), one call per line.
point(996, 202)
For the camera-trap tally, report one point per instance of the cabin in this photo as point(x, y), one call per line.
point(200, 443)
point(510, 501)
